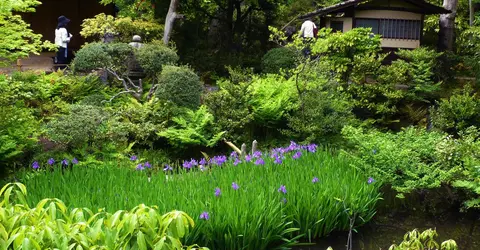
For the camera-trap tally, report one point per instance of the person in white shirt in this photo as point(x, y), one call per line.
point(62, 38)
point(308, 32)
point(308, 29)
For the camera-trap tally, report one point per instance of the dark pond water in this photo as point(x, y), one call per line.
point(438, 209)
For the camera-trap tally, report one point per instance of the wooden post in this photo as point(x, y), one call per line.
point(19, 64)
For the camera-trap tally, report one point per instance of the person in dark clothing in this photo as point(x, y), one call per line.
point(62, 38)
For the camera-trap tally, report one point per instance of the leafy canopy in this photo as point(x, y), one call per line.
point(18, 40)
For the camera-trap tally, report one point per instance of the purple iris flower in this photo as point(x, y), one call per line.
point(312, 148)
point(204, 216)
point(193, 162)
point(203, 162)
point(187, 164)
point(235, 186)
point(293, 146)
point(35, 165)
point(282, 189)
point(74, 161)
point(315, 180)
point(140, 167)
point(147, 164)
point(51, 161)
point(259, 161)
point(248, 158)
point(277, 160)
point(236, 162)
point(370, 180)
point(133, 158)
point(297, 155)
point(233, 154)
point(65, 162)
point(219, 160)
point(257, 154)
point(167, 168)
point(218, 192)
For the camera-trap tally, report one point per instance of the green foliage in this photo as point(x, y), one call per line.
point(50, 224)
point(140, 122)
point(339, 50)
point(468, 47)
point(463, 152)
point(265, 217)
point(458, 112)
point(18, 40)
point(46, 94)
point(279, 58)
point(193, 128)
point(321, 117)
point(181, 86)
point(416, 240)
point(18, 132)
point(230, 107)
point(93, 56)
point(407, 160)
point(82, 125)
point(273, 97)
point(123, 27)
point(402, 90)
point(152, 57)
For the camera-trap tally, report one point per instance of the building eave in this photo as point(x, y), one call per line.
point(427, 8)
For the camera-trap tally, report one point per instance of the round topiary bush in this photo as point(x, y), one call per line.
point(152, 57)
point(279, 58)
point(102, 55)
point(91, 56)
point(180, 85)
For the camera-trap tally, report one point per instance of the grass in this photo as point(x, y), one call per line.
point(255, 216)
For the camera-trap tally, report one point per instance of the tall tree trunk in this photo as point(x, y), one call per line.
point(172, 15)
point(446, 36)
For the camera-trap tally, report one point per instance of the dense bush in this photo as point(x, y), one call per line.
point(18, 133)
point(50, 224)
point(272, 97)
point(279, 58)
point(458, 112)
point(230, 107)
point(82, 125)
point(181, 86)
point(152, 57)
point(270, 200)
point(407, 160)
point(93, 56)
point(320, 116)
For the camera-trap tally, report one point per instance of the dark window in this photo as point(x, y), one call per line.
point(392, 28)
point(368, 23)
point(336, 26)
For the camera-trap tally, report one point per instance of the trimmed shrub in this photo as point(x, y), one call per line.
point(116, 56)
point(81, 125)
point(152, 57)
point(279, 58)
point(181, 86)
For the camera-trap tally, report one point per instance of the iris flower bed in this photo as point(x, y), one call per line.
point(264, 201)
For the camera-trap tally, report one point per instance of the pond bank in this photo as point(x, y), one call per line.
point(433, 209)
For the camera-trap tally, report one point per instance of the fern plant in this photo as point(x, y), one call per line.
point(192, 128)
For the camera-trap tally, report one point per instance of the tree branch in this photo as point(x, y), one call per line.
point(151, 91)
point(123, 92)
